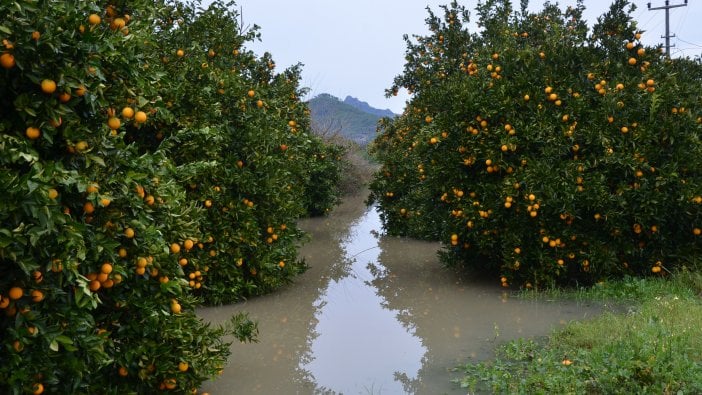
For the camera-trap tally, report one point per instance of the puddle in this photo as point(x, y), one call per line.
point(374, 315)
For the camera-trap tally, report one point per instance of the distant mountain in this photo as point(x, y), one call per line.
point(365, 107)
point(351, 118)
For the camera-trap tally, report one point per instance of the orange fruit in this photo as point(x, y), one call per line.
point(632, 61)
point(102, 277)
point(176, 308)
point(88, 208)
point(36, 35)
point(140, 191)
point(128, 112)
point(122, 371)
point(94, 285)
point(94, 19)
point(105, 202)
point(106, 268)
point(80, 90)
point(64, 97)
point(169, 384)
point(52, 193)
point(140, 117)
point(56, 265)
point(180, 53)
point(55, 123)
point(251, 93)
point(188, 244)
point(37, 295)
point(48, 86)
point(183, 366)
point(7, 61)
point(81, 146)
point(37, 388)
point(175, 248)
point(32, 133)
point(16, 293)
point(118, 23)
point(142, 262)
point(114, 123)
point(129, 233)
point(92, 188)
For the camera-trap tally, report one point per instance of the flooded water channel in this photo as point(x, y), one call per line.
point(374, 315)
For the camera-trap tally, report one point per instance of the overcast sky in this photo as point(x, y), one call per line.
point(355, 47)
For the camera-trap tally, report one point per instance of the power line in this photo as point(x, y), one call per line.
point(691, 43)
point(667, 8)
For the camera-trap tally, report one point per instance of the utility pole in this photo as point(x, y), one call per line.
point(667, 8)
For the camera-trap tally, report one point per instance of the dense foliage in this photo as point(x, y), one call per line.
point(147, 158)
point(542, 151)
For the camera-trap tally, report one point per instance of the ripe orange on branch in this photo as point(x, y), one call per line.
point(7, 60)
point(32, 133)
point(48, 86)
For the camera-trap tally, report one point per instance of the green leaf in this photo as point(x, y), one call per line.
point(64, 339)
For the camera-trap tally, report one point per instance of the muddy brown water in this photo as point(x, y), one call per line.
point(375, 315)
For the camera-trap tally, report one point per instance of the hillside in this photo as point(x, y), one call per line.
point(365, 107)
point(351, 118)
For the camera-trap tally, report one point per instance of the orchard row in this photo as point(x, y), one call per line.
point(149, 162)
point(543, 151)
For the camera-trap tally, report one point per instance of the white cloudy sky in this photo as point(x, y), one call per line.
point(355, 47)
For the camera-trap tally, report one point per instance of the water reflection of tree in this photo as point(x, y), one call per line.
point(329, 236)
point(405, 277)
point(290, 314)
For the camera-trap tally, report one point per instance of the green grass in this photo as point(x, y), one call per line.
point(656, 347)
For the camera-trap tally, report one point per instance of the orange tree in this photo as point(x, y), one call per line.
point(239, 136)
point(145, 154)
point(542, 151)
